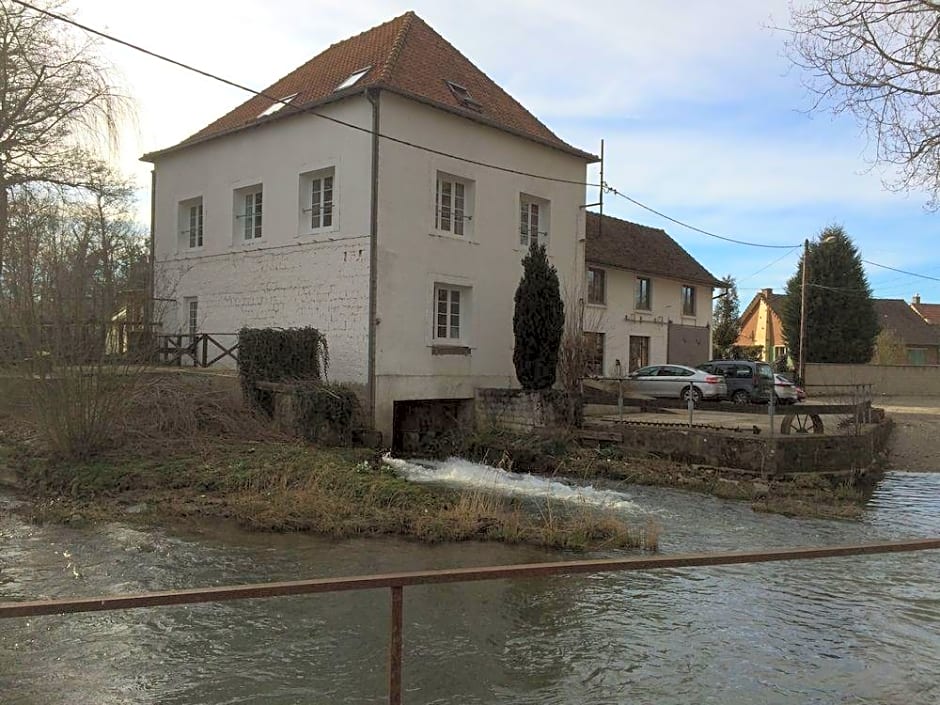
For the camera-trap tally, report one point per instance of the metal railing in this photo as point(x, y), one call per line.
point(396, 582)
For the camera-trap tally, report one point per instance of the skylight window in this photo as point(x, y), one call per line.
point(353, 78)
point(463, 96)
point(274, 107)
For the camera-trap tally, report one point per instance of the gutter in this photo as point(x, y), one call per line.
point(372, 95)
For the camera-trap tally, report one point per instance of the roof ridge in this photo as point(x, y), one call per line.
point(392, 60)
point(630, 222)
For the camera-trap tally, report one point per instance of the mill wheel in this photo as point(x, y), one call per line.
point(801, 423)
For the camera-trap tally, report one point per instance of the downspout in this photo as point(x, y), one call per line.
point(372, 94)
point(151, 300)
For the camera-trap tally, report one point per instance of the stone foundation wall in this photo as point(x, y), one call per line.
point(523, 410)
point(760, 454)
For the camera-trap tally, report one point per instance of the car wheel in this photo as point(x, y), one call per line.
point(741, 397)
point(696, 395)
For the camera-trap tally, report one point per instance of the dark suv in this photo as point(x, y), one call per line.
point(747, 381)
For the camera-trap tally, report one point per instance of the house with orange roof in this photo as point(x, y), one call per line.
point(762, 327)
point(358, 194)
point(929, 312)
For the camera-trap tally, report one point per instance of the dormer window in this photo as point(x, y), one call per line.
point(353, 78)
point(274, 107)
point(463, 96)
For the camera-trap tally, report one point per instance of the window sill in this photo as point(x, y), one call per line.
point(595, 305)
point(449, 349)
point(318, 233)
point(247, 244)
point(457, 238)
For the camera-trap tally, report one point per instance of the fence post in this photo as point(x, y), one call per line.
point(394, 648)
point(205, 349)
point(771, 409)
point(691, 403)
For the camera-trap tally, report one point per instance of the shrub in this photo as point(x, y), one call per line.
point(278, 355)
point(326, 412)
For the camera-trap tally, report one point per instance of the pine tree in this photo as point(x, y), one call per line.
point(538, 321)
point(727, 323)
point(841, 323)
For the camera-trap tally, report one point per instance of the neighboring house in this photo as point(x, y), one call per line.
point(921, 340)
point(407, 259)
point(929, 312)
point(647, 300)
point(762, 327)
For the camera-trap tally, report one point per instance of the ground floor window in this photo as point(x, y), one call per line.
point(639, 352)
point(192, 316)
point(917, 356)
point(594, 354)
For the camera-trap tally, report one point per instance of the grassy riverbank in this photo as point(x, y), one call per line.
point(286, 486)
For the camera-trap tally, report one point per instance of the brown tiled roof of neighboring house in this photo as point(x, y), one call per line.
point(405, 56)
point(897, 315)
point(620, 243)
point(929, 312)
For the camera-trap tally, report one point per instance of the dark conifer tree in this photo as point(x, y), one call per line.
point(841, 323)
point(538, 321)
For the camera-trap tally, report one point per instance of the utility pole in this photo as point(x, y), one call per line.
point(802, 363)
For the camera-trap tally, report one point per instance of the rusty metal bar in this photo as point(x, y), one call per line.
point(454, 575)
point(394, 648)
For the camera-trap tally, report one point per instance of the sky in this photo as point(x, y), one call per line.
point(703, 117)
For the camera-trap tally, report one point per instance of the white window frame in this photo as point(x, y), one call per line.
point(249, 215)
point(314, 216)
point(453, 205)
point(191, 219)
point(191, 311)
point(534, 220)
point(450, 314)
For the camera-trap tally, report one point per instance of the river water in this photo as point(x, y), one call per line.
point(850, 630)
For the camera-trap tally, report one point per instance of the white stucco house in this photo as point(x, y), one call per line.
point(361, 204)
point(648, 301)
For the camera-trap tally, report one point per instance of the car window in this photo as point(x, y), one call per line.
point(705, 368)
point(683, 372)
point(667, 372)
point(742, 371)
point(765, 371)
point(646, 371)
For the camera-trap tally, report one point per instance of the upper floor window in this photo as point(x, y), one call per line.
point(688, 300)
point(453, 204)
point(533, 221)
point(248, 212)
point(191, 223)
point(597, 286)
point(318, 205)
point(644, 294)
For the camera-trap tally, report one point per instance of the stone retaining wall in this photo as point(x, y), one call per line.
point(523, 410)
point(760, 454)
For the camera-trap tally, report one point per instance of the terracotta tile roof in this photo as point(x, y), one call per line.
point(405, 56)
point(642, 249)
point(929, 312)
point(898, 316)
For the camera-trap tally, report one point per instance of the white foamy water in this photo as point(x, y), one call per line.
point(463, 473)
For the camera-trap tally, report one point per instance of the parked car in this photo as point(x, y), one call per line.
point(785, 391)
point(673, 381)
point(747, 381)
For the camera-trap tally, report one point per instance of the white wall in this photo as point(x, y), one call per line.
point(288, 277)
point(619, 318)
point(487, 259)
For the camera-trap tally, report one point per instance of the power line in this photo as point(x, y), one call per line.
point(611, 189)
point(286, 103)
point(768, 266)
point(901, 271)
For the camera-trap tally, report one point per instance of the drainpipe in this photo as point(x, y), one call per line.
point(149, 310)
point(372, 94)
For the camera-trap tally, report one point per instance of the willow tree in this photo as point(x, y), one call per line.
point(59, 103)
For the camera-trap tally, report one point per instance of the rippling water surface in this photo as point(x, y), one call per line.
point(854, 630)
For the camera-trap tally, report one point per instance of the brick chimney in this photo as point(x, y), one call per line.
point(916, 299)
point(767, 293)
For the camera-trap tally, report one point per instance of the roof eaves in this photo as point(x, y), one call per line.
point(712, 282)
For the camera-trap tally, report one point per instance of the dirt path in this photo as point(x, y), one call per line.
point(915, 444)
